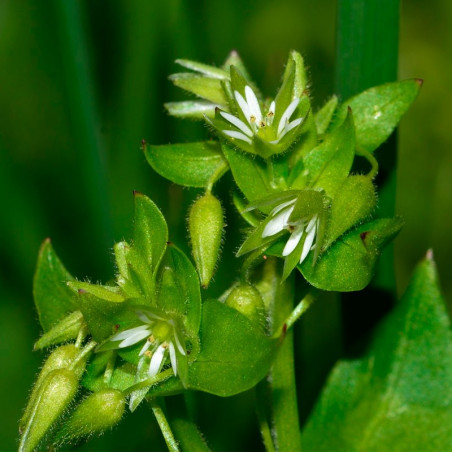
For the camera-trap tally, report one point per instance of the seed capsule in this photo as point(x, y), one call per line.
point(206, 227)
point(97, 413)
point(246, 299)
point(56, 392)
point(60, 358)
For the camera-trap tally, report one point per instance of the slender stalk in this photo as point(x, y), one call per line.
point(185, 430)
point(83, 109)
point(260, 396)
point(164, 426)
point(279, 299)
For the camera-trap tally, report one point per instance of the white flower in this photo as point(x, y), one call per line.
point(303, 228)
point(162, 339)
point(256, 121)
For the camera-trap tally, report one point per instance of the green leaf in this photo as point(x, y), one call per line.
point(53, 299)
point(286, 93)
point(190, 109)
point(325, 114)
point(301, 78)
point(66, 329)
point(190, 164)
point(349, 263)
point(178, 289)
point(150, 236)
point(234, 59)
point(235, 355)
point(329, 163)
point(354, 202)
point(108, 293)
point(205, 87)
point(378, 110)
point(250, 173)
point(250, 217)
point(397, 395)
point(210, 71)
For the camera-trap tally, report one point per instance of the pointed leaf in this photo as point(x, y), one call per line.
point(210, 71)
point(349, 263)
point(378, 110)
point(325, 114)
point(108, 293)
point(397, 396)
point(190, 164)
point(330, 162)
point(191, 109)
point(53, 299)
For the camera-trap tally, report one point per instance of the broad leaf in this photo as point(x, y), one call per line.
point(349, 264)
point(53, 299)
point(190, 164)
point(250, 173)
point(378, 110)
point(328, 164)
point(235, 355)
point(397, 396)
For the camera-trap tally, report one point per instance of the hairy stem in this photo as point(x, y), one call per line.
point(164, 426)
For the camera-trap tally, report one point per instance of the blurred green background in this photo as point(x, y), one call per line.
point(83, 82)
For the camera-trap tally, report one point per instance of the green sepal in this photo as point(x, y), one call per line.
point(188, 164)
point(396, 395)
point(267, 203)
point(301, 78)
point(250, 173)
point(204, 87)
point(178, 289)
point(205, 225)
point(126, 262)
point(240, 204)
point(234, 59)
point(308, 204)
point(103, 317)
point(286, 93)
point(353, 203)
point(324, 116)
point(191, 109)
point(107, 293)
point(63, 331)
point(56, 392)
point(141, 374)
point(230, 343)
point(95, 377)
point(328, 164)
point(378, 110)
point(53, 299)
point(255, 240)
point(205, 69)
point(349, 263)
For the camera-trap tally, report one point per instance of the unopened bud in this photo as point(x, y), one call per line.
point(206, 227)
point(246, 299)
point(55, 394)
point(97, 413)
point(61, 358)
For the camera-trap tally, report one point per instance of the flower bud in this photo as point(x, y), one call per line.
point(246, 299)
point(97, 413)
point(54, 395)
point(61, 358)
point(206, 227)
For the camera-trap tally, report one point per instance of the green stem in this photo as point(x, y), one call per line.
point(162, 376)
point(260, 396)
point(185, 430)
point(87, 349)
point(164, 426)
point(279, 299)
point(299, 310)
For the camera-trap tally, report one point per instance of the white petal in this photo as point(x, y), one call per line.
point(253, 104)
point(290, 126)
point(179, 346)
point(294, 239)
point(149, 315)
point(172, 354)
point(311, 224)
point(137, 337)
point(237, 122)
point(126, 333)
point(156, 361)
point(277, 223)
point(307, 244)
point(272, 108)
point(238, 135)
point(146, 345)
point(281, 206)
point(243, 105)
point(287, 114)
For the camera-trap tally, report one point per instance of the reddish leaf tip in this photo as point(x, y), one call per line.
point(81, 291)
point(419, 81)
point(429, 255)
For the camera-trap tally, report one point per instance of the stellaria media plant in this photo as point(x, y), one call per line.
point(311, 216)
